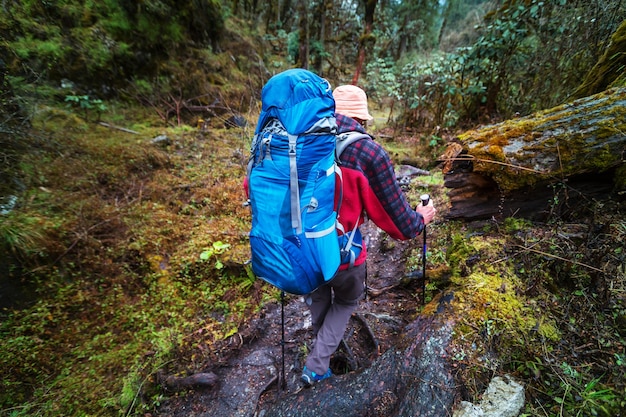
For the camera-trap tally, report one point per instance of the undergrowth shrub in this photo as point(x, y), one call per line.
point(532, 300)
point(523, 60)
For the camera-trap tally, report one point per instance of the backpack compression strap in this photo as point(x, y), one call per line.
point(296, 222)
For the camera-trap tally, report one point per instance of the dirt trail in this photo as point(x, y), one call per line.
point(252, 376)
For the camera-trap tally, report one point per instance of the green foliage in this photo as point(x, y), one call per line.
point(608, 71)
point(25, 238)
point(86, 104)
point(138, 251)
point(434, 94)
point(573, 385)
point(533, 335)
point(406, 28)
point(90, 43)
point(118, 261)
point(511, 56)
point(382, 83)
point(505, 71)
point(582, 397)
point(573, 390)
point(215, 249)
point(492, 59)
point(293, 46)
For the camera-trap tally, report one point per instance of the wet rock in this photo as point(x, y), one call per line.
point(162, 140)
point(503, 398)
point(412, 381)
point(175, 383)
point(235, 120)
point(407, 171)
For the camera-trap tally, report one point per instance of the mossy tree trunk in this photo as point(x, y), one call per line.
point(555, 160)
point(366, 38)
point(610, 68)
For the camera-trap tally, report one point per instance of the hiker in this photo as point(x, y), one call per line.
point(369, 188)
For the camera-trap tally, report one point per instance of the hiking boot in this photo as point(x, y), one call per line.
point(309, 377)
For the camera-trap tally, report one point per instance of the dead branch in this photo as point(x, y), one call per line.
point(123, 129)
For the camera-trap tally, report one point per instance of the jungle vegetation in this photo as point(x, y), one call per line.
point(121, 255)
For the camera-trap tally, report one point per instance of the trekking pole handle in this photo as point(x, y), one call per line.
point(425, 199)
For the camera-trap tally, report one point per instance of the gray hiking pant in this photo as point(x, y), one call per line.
point(331, 307)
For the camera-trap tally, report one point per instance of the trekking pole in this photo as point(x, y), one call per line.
point(425, 199)
point(282, 341)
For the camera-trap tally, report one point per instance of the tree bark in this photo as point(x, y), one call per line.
point(609, 67)
point(531, 166)
point(324, 8)
point(370, 9)
point(304, 35)
point(286, 13)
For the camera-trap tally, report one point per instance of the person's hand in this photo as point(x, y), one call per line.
point(427, 211)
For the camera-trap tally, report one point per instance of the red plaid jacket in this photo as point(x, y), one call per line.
point(370, 187)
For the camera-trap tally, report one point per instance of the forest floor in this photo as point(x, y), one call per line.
point(576, 363)
point(146, 280)
point(576, 366)
point(252, 373)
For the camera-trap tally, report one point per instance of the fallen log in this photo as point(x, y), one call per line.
point(542, 164)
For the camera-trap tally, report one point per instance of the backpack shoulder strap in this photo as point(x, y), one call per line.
point(347, 138)
point(343, 140)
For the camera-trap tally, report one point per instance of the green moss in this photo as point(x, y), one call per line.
point(513, 224)
point(135, 218)
point(549, 331)
point(609, 68)
point(489, 303)
point(457, 253)
point(490, 306)
point(620, 178)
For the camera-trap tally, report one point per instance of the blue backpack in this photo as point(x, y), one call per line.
point(292, 177)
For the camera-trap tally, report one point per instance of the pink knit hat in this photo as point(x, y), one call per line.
point(351, 101)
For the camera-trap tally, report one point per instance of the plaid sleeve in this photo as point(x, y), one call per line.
point(374, 162)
